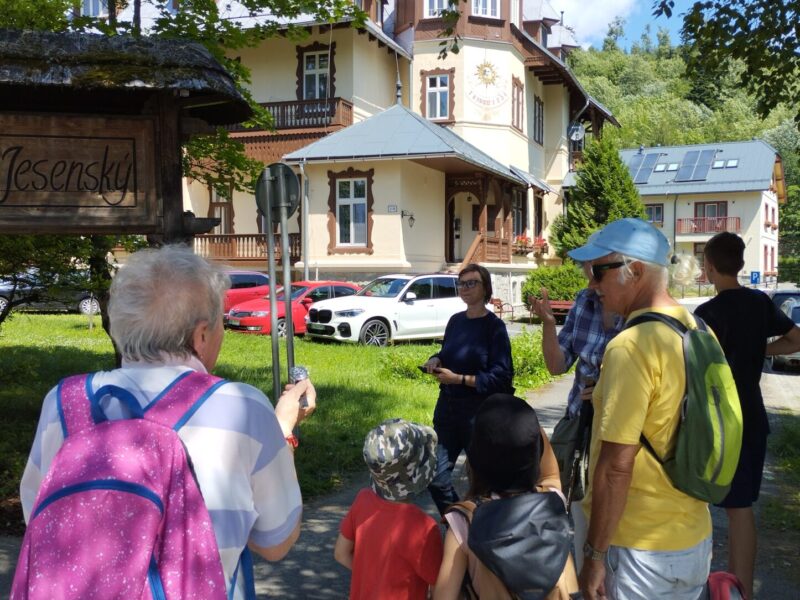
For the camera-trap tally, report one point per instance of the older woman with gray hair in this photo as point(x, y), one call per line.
point(646, 538)
point(166, 320)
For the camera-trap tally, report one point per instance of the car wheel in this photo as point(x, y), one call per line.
point(281, 328)
point(776, 364)
point(89, 306)
point(3, 303)
point(374, 333)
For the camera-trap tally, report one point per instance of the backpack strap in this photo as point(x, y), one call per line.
point(174, 406)
point(679, 328)
point(73, 405)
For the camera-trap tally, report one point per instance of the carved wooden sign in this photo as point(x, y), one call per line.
point(76, 174)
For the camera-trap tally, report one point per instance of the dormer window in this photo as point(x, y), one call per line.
point(486, 8)
point(94, 8)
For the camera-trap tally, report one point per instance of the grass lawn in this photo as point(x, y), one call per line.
point(357, 386)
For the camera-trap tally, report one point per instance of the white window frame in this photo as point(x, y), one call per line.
point(434, 8)
point(486, 8)
point(352, 201)
point(94, 8)
point(316, 72)
point(442, 87)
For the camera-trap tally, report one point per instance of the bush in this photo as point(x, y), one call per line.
point(562, 282)
point(530, 370)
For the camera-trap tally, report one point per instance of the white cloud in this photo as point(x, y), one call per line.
point(590, 18)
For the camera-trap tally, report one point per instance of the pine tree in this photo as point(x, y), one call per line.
point(604, 192)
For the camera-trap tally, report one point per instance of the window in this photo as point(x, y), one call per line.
point(538, 120)
point(519, 214)
point(320, 293)
point(766, 216)
point(423, 288)
point(486, 8)
point(718, 164)
point(437, 94)
point(220, 207)
point(247, 280)
point(316, 71)
point(772, 258)
point(341, 291)
point(538, 215)
point(672, 167)
point(732, 163)
point(94, 8)
point(351, 211)
point(433, 8)
point(315, 75)
point(517, 103)
point(655, 213)
point(774, 218)
point(515, 13)
point(444, 287)
point(711, 210)
point(660, 167)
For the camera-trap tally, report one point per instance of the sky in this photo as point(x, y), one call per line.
point(590, 19)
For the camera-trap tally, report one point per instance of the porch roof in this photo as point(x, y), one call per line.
point(532, 180)
point(400, 134)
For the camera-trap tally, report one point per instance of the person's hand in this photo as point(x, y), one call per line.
point(586, 393)
point(432, 364)
point(289, 411)
point(592, 580)
point(446, 376)
point(542, 308)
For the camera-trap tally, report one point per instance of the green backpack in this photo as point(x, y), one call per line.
point(710, 429)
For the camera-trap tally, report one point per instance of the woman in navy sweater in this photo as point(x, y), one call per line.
point(474, 363)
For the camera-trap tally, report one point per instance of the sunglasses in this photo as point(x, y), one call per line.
point(469, 283)
point(599, 270)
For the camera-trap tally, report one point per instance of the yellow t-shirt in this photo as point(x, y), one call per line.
point(641, 385)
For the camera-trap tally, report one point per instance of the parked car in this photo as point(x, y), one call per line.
point(245, 285)
point(791, 307)
point(392, 307)
point(37, 296)
point(253, 316)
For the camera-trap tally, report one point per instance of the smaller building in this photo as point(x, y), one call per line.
point(693, 192)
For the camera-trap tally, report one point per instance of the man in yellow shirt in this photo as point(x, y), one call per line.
point(646, 539)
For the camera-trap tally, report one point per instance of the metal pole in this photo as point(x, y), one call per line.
point(273, 305)
point(283, 194)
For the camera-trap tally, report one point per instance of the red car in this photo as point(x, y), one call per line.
point(245, 285)
point(253, 316)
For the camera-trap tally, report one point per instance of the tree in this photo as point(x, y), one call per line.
point(762, 34)
point(616, 31)
point(604, 192)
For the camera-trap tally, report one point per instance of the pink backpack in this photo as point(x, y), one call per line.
point(725, 586)
point(119, 513)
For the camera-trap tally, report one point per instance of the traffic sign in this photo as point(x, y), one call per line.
point(755, 277)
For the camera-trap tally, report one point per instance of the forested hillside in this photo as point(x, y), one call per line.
point(657, 101)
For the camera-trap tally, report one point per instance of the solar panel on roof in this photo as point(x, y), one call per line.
point(703, 165)
point(635, 163)
point(647, 167)
point(687, 166)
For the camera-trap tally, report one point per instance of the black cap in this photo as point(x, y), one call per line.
point(506, 444)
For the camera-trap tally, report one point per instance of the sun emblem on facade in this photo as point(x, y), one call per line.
point(486, 73)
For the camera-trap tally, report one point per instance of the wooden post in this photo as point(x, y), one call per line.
point(168, 157)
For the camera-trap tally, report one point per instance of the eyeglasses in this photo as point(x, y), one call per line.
point(469, 284)
point(599, 270)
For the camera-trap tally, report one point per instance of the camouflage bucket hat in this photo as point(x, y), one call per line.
point(401, 457)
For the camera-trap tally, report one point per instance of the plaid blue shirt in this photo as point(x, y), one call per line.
point(583, 338)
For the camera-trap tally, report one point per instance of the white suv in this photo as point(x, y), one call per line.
point(392, 307)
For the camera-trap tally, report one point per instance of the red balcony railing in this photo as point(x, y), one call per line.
point(709, 225)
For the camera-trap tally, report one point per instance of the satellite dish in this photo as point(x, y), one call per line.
point(576, 132)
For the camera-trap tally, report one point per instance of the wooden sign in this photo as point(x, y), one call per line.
point(76, 174)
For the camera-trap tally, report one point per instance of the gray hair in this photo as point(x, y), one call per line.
point(683, 270)
point(159, 297)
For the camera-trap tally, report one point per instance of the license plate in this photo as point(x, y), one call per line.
point(315, 327)
point(233, 322)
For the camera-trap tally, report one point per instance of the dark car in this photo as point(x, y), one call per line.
point(788, 301)
point(39, 296)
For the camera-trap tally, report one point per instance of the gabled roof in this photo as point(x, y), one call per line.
point(561, 37)
point(398, 133)
point(539, 10)
point(756, 162)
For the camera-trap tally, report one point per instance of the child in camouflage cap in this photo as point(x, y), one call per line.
point(393, 548)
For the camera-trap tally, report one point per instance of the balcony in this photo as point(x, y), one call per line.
point(709, 225)
point(243, 249)
point(307, 114)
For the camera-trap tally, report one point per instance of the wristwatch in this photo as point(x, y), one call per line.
point(593, 554)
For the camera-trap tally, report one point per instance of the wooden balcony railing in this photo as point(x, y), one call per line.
point(243, 246)
point(709, 225)
point(488, 249)
point(305, 114)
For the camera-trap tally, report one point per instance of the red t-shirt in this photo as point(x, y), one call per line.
point(397, 549)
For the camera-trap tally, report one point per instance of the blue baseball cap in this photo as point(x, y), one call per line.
point(630, 237)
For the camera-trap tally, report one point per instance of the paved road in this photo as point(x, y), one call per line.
point(309, 570)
